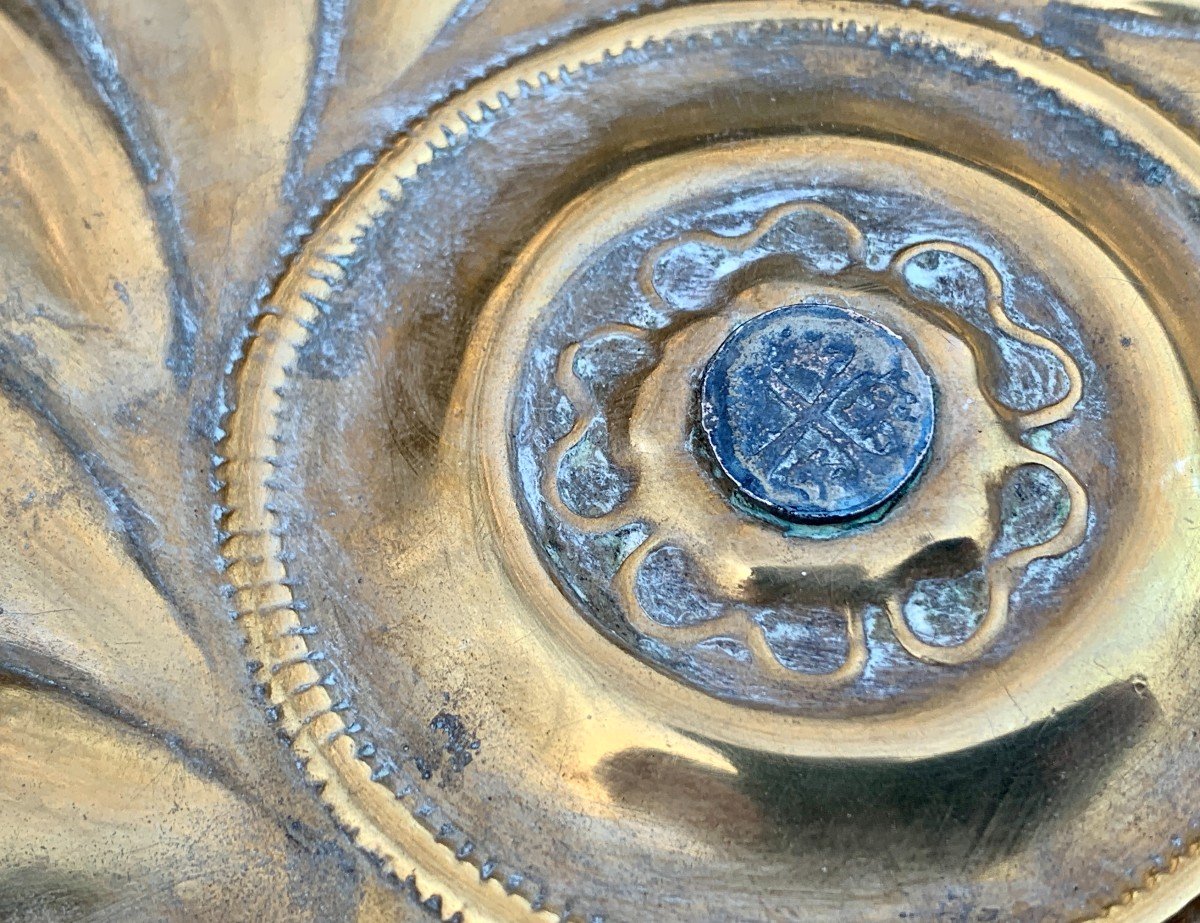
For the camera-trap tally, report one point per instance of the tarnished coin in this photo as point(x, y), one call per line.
point(816, 413)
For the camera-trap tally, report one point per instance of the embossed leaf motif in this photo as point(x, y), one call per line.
point(147, 158)
point(80, 260)
point(84, 340)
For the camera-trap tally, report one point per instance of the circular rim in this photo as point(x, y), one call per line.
point(321, 737)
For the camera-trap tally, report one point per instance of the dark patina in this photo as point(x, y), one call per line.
point(815, 413)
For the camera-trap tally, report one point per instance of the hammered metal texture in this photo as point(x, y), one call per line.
point(499, 460)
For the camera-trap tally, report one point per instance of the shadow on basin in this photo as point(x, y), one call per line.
point(973, 807)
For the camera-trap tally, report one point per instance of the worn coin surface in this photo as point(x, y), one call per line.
point(816, 413)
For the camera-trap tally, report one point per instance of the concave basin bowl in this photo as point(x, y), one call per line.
point(743, 462)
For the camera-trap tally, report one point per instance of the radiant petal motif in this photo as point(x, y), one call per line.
point(142, 151)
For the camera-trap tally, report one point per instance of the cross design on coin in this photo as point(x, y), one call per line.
point(815, 412)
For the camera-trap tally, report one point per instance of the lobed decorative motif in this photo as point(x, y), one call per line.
point(701, 266)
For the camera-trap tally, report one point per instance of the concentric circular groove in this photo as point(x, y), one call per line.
point(321, 736)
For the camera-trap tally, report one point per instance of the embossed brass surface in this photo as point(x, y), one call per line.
point(491, 461)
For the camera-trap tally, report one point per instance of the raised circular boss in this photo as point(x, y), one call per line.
point(468, 530)
point(815, 413)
